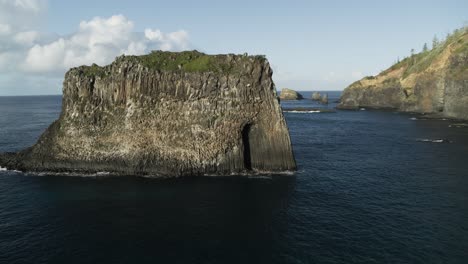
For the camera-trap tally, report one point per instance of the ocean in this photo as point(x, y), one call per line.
point(371, 187)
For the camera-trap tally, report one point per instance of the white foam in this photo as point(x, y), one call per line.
point(433, 140)
point(303, 112)
point(5, 169)
point(254, 175)
point(459, 125)
point(103, 173)
point(413, 118)
point(69, 174)
point(362, 109)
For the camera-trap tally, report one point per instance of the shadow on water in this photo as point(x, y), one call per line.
point(114, 219)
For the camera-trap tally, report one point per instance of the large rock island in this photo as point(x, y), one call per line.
point(165, 114)
point(433, 82)
point(288, 94)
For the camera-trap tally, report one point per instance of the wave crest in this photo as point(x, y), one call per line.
point(433, 140)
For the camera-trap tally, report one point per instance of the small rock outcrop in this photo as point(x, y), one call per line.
point(432, 82)
point(324, 99)
point(316, 96)
point(165, 114)
point(288, 94)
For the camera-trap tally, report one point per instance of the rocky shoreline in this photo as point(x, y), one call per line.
point(432, 82)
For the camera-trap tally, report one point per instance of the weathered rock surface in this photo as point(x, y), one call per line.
point(316, 96)
point(288, 94)
point(432, 82)
point(165, 114)
point(324, 99)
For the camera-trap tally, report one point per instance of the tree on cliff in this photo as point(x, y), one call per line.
point(435, 42)
point(425, 49)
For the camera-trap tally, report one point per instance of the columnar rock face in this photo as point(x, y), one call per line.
point(168, 114)
point(288, 94)
point(432, 82)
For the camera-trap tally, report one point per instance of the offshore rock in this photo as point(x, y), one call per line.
point(433, 82)
point(288, 94)
point(316, 96)
point(324, 99)
point(165, 114)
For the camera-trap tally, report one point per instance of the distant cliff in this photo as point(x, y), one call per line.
point(431, 82)
point(167, 114)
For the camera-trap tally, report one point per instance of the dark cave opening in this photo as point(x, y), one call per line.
point(246, 144)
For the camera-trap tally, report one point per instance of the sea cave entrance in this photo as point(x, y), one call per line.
point(246, 141)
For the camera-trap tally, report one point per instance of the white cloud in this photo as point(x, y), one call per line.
point(21, 14)
point(177, 40)
point(32, 5)
point(27, 38)
point(24, 5)
point(25, 49)
point(45, 58)
point(5, 29)
point(99, 41)
point(153, 34)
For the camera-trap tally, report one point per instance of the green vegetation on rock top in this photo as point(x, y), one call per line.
point(93, 70)
point(421, 61)
point(191, 61)
point(186, 61)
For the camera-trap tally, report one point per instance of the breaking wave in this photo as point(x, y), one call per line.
point(303, 112)
point(433, 140)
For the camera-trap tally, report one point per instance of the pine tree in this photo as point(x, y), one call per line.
point(425, 47)
point(435, 42)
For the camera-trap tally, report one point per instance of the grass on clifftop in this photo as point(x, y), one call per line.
point(190, 61)
point(93, 70)
point(421, 61)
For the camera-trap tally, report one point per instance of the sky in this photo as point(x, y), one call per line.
point(311, 45)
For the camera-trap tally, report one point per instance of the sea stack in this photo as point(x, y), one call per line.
point(432, 82)
point(316, 96)
point(165, 114)
point(324, 99)
point(288, 94)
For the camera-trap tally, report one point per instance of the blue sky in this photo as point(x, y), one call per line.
point(311, 45)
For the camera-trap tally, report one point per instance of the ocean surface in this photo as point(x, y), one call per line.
point(372, 187)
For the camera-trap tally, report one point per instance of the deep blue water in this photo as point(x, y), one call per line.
point(369, 190)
